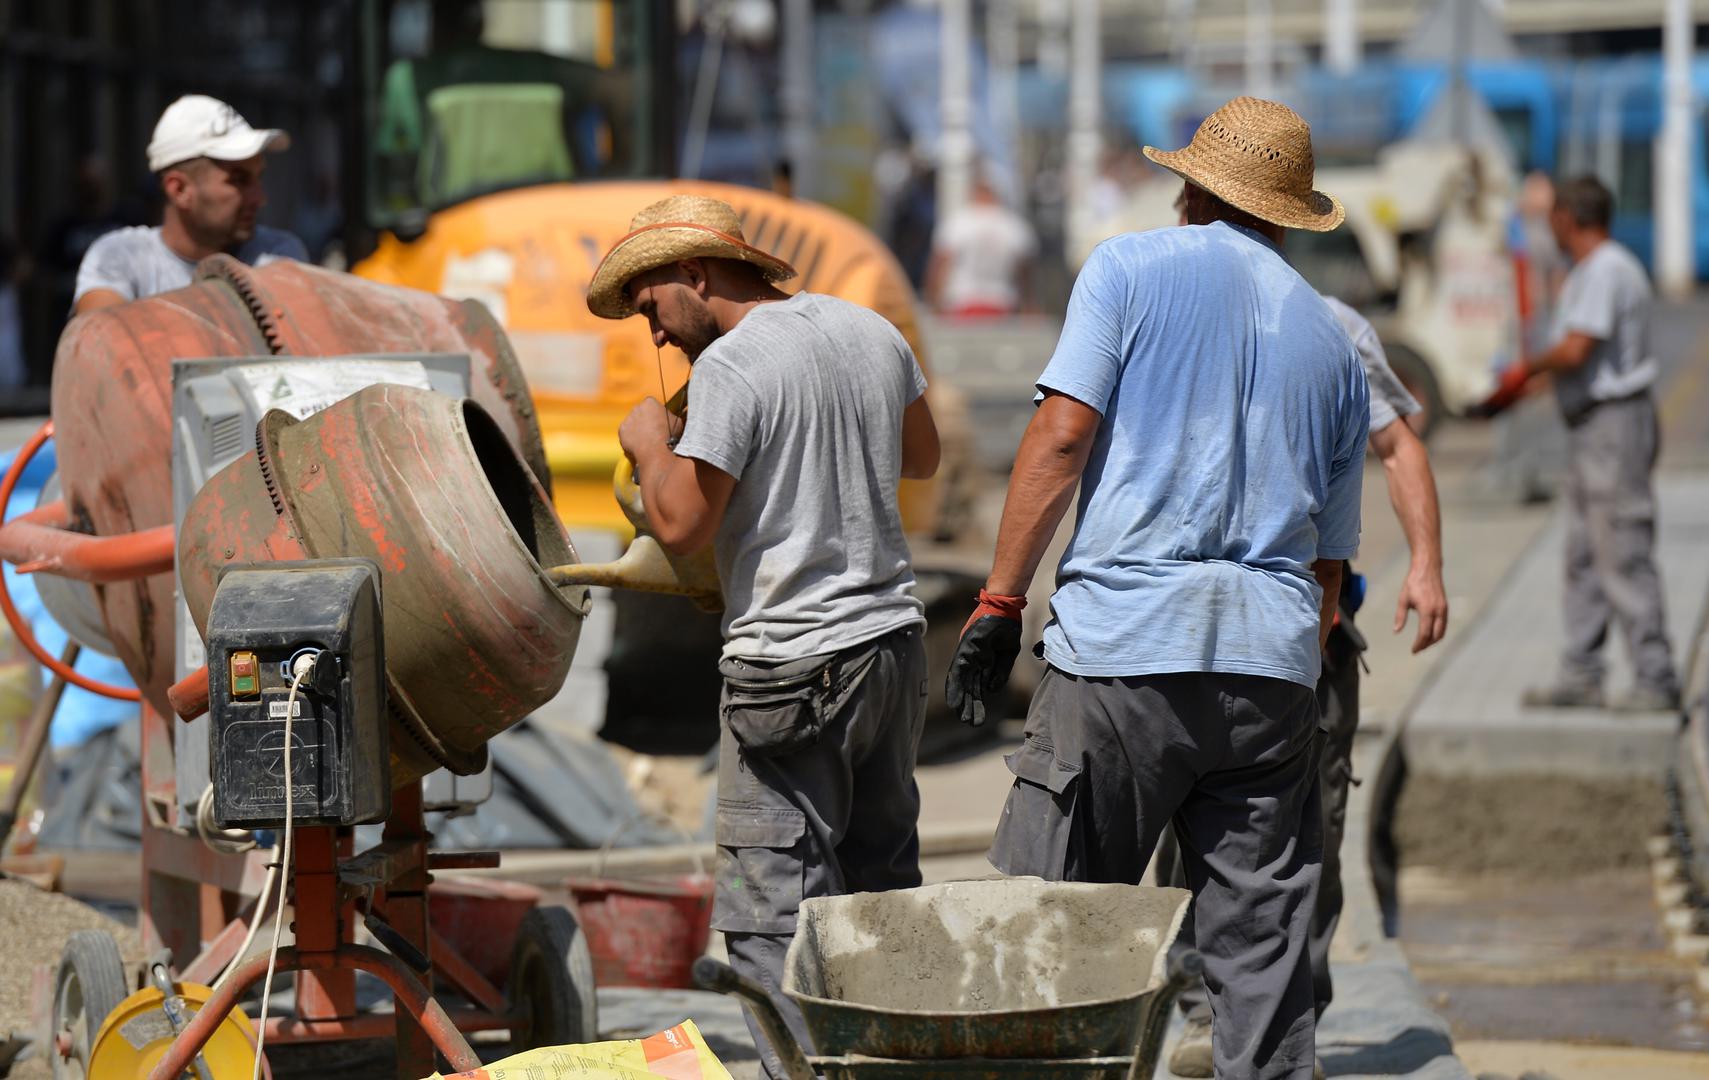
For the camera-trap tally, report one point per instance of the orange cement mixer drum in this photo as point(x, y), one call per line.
point(112, 400)
point(425, 485)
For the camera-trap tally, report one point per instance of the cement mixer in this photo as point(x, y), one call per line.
point(391, 554)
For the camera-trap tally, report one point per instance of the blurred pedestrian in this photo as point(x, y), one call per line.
point(93, 213)
point(1412, 493)
point(1604, 368)
point(804, 413)
point(980, 258)
point(14, 268)
point(209, 162)
point(1214, 416)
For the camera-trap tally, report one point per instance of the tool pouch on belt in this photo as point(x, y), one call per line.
point(776, 709)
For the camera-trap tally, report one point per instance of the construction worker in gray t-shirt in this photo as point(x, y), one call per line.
point(804, 413)
point(209, 161)
point(1603, 368)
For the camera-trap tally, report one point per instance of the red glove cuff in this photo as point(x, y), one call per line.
point(1004, 607)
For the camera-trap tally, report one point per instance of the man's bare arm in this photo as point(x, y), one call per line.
point(1328, 575)
point(921, 449)
point(1048, 465)
point(1412, 492)
point(96, 298)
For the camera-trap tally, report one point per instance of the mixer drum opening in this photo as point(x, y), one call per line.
point(519, 495)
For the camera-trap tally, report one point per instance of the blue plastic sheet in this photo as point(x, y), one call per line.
point(81, 714)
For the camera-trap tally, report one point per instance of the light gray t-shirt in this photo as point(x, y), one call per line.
point(1606, 296)
point(802, 403)
point(136, 262)
point(1389, 398)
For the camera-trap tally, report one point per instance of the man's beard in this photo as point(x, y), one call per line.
point(699, 335)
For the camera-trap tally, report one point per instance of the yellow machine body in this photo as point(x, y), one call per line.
point(134, 1037)
point(529, 254)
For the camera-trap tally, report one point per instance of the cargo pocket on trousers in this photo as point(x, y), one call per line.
point(761, 863)
point(1037, 832)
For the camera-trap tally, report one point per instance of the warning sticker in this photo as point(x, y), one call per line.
point(305, 389)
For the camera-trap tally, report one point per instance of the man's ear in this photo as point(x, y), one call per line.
point(176, 185)
point(693, 273)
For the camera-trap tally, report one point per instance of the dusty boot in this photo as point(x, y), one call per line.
point(1647, 699)
point(1562, 695)
point(1192, 1056)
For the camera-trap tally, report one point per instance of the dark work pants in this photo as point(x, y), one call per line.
point(838, 817)
point(1231, 762)
point(1338, 704)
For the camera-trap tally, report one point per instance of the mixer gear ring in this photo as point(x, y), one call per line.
point(225, 268)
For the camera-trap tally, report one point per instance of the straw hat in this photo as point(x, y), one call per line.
point(1255, 155)
point(679, 227)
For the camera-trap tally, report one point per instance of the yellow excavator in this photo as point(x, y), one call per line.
point(512, 143)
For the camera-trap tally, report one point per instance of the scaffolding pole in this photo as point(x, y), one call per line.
point(1341, 46)
point(955, 105)
point(1085, 143)
point(799, 135)
point(1675, 271)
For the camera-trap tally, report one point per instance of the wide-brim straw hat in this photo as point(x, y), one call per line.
point(1256, 156)
point(672, 229)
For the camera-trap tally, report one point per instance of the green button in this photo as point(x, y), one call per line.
point(243, 685)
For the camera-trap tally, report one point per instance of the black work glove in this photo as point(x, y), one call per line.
point(990, 642)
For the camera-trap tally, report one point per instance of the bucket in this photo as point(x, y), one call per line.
point(644, 932)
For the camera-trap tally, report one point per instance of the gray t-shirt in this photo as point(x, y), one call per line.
point(136, 262)
point(802, 403)
point(1607, 297)
point(1389, 398)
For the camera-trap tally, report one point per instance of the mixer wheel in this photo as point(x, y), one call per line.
point(551, 981)
point(90, 984)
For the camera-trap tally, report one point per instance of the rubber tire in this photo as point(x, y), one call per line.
point(1421, 383)
point(551, 981)
point(91, 965)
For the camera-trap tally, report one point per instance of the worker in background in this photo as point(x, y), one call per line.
point(804, 413)
point(1412, 493)
point(209, 161)
point(1603, 368)
point(1214, 416)
point(980, 258)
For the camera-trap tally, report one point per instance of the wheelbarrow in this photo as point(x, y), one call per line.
point(1009, 977)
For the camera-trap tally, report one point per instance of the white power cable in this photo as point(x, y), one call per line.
point(300, 668)
point(255, 922)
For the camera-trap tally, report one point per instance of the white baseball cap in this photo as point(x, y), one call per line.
point(197, 126)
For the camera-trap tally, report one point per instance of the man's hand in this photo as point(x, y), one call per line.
point(646, 429)
point(990, 642)
point(1509, 388)
point(1422, 592)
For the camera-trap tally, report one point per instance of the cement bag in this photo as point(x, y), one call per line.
point(677, 1054)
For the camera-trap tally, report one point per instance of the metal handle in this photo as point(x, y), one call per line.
point(396, 943)
point(721, 978)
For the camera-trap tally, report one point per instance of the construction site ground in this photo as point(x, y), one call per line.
point(1529, 934)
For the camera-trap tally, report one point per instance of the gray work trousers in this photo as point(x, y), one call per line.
point(1611, 538)
point(1338, 706)
point(1231, 761)
point(838, 816)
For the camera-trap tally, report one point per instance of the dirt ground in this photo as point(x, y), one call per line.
point(1528, 915)
point(34, 926)
point(1542, 826)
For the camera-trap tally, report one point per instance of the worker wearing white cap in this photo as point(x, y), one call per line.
point(210, 162)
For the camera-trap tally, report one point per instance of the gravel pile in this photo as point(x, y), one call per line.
point(33, 928)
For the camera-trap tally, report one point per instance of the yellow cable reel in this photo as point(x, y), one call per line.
point(135, 1035)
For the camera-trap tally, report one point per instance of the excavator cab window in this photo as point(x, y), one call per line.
point(466, 98)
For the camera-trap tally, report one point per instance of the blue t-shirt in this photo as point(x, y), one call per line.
point(1235, 413)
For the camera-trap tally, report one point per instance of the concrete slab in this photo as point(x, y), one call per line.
point(1470, 722)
